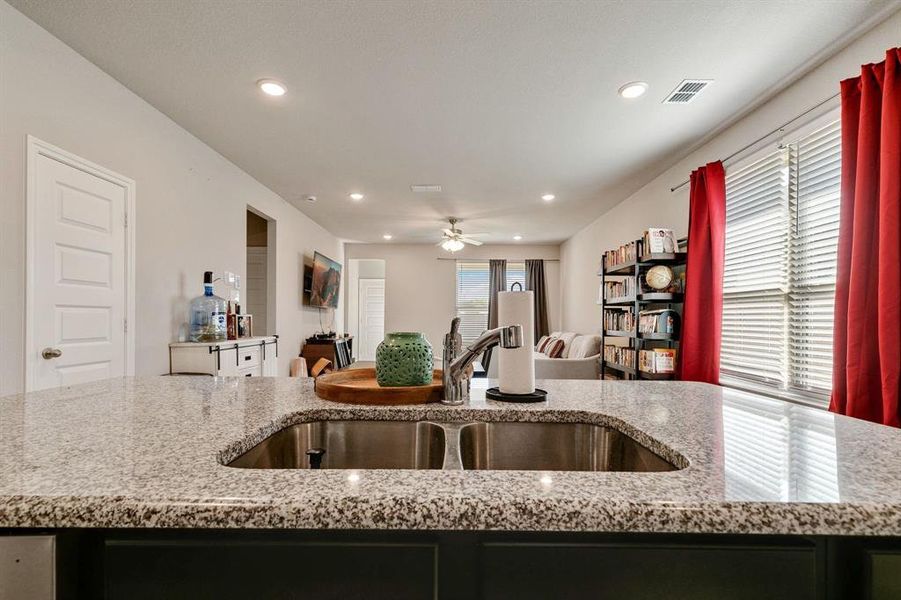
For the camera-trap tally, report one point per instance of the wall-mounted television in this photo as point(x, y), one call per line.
point(325, 282)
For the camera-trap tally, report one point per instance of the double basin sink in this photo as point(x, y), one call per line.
point(451, 446)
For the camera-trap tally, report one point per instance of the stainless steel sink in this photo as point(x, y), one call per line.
point(451, 446)
point(349, 445)
point(554, 447)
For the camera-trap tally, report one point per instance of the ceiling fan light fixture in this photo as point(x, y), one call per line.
point(452, 245)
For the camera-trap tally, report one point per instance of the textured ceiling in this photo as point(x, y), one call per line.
point(498, 102)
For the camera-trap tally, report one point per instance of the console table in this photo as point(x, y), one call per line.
point(339, 350)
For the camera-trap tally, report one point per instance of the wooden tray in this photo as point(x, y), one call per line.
point(358, 386)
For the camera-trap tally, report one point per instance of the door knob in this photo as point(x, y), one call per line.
point(50, 353)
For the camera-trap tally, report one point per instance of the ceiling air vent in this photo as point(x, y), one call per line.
point(686, 91)
point(425, 187)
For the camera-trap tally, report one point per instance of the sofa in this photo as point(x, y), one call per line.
point(580, 359)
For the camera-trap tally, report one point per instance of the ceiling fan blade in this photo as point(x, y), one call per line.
point(467, 240)
point(448, 232)
point(439, 243)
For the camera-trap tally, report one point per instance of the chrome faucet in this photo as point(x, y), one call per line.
point(457, 361)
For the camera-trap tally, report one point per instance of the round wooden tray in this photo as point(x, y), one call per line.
point(358, 386)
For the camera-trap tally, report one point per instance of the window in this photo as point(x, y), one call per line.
point(472, 294)
point(782, 218)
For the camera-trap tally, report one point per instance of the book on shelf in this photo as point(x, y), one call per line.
point(665, 320)
point(623, 254)
point(657, 360)
point(620, 355)
point(619, 319)
point(657, 240)
point(614, 290)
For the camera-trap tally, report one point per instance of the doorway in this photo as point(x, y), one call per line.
point(259, 288)
point(366, 305)
point(80, 270)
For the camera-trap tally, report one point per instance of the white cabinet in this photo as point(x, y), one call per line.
point(246, 357)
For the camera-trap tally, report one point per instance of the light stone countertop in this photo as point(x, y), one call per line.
point(148, 452)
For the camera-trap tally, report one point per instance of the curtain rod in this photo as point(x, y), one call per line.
point(507, 259)
point(765, 136)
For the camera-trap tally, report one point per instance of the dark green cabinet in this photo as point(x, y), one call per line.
point(649, 571)
point(884, 570)
point(400, 565)
point(231, 568)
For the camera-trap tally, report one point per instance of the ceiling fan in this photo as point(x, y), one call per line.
point(453, 238)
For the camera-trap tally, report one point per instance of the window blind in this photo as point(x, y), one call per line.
point(816, 200)
point(782, 217)
point(472, 294)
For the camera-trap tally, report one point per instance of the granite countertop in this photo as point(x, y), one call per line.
point(148, 452)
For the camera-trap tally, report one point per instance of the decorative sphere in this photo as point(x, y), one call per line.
point(659, 277)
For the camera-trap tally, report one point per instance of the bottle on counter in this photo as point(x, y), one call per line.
point(208, 314)
point(231, 321)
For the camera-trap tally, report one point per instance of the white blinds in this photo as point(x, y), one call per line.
point(472, 294)
point(812, 259)
point(756, 279)
point(782, 216)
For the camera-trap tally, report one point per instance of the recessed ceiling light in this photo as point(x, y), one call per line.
point(517, 237)
point(633, 89)
point(548, 197)
point(272, 87)
point(356, 196)
point(387, 236)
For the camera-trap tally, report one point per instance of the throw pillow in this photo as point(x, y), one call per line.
point(554, 349)
point(542, 343)
point(584, 346)
point(567, 337)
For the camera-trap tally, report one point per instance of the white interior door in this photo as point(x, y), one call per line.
point(372, 317)
point(78, 275)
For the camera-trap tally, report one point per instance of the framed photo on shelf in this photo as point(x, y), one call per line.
point(245, 326)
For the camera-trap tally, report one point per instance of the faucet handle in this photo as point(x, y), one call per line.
point(455, 325)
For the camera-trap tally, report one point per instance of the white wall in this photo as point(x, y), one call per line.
point(190, 200)
point(655, 206)
point(420, 290)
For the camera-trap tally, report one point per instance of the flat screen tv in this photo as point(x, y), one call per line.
point(326, 282)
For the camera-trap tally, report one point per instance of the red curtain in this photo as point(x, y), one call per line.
point(867, 338)
point(702, 315)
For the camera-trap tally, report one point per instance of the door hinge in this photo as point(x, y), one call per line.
point(126, 220)
point(125, 321)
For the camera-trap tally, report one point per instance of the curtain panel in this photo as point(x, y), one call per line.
point(702, 316)
point(537, 284)
point(497, 282)
point(867, 327)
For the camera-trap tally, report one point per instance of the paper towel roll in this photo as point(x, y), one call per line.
point(516, 366)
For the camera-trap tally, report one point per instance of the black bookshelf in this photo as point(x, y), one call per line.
point(642, 300)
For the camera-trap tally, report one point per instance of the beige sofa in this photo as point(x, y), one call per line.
point(583, 364)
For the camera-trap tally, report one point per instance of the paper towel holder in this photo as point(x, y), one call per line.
point(496, 394)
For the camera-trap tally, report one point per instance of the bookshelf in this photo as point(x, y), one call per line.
point(624, 270)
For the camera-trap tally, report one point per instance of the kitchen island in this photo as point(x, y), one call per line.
point(130, 475)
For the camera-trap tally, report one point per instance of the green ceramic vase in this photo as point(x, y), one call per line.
point(402, 359)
